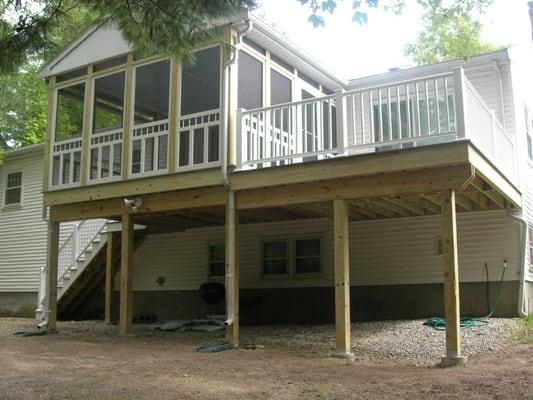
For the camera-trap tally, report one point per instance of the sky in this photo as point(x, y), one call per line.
point(352, 50)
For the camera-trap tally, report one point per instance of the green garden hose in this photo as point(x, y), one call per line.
point(469, 322)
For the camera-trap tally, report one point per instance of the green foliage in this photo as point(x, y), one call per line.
point(22, 108)
point(449, 32)
point(360, 8)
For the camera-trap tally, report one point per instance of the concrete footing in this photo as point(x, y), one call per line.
point(447, 361)
point(343, 355)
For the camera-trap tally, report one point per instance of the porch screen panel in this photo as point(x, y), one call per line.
point(150, 132)
point(108, 120)
point(66, 149)
point(200, 109)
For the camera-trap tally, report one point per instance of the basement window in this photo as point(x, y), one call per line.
point(307, 256)
point(217, 262)
point(275, 257)
point(13, 193)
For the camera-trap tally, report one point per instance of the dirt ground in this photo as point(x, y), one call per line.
point(80, 363)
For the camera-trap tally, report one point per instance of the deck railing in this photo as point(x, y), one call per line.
point(434, 109)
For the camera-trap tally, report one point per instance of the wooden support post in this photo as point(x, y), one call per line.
point(342, 279)
point(109, 276)
point(51, 276)
point(126, 275)
point(451, 280)
point(232, 271)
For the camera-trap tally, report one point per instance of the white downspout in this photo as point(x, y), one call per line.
point(497, 68)
point(230, 249)
point(523, 243)
point(231, 61)
point(44, 307)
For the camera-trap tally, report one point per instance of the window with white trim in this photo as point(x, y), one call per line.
point(216, 260)
point(275, 257)
point(13, 191)
point(307, 256)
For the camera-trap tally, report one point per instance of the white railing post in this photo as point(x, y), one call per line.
point(75, 243)
point(460, 105)
point(493, 132)
point(240, 138)
point(342, 137)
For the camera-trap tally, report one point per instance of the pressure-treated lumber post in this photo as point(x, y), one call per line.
point(109, 275)
point(126, 275)
point(451, 280)
point(342, 279)
point(51, 276)
point(232, 271)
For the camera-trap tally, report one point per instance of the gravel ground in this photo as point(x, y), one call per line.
point(407, 341)
point(383, 340)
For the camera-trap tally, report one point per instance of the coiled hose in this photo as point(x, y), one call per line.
point(439, 323)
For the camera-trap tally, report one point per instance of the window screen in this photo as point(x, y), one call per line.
point(307, 257)
point(108, 102)
point(250, 82)
point(13, 194)
point(69, 112)
point(152, 92)
point(217, 262)
point(275, 257)
point(200, 82)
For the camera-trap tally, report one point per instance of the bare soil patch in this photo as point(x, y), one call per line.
point(90, 361)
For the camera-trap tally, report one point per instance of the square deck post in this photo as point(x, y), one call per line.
point(342, 279)
point(51, 276)
point(126, 275)
point(110, 275)
point(451, 281)
point(232, 271)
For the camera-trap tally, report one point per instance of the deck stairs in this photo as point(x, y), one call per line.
point(82, 262)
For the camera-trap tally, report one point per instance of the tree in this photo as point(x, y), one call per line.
point(449, 32)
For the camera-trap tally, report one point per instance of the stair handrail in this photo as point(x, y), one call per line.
point(74, 238)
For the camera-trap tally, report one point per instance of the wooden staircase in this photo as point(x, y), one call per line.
point(84, 280)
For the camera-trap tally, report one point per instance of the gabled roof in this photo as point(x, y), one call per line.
point(100, 42)
point(20, 151)
point(97, 42)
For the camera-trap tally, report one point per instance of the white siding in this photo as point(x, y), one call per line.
point(22, 229)
point(399, 251)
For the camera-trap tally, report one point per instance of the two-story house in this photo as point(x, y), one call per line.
point(312, 198)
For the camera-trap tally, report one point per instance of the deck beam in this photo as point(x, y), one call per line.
point(451, 280)
point(342, 279)
point(126, 275)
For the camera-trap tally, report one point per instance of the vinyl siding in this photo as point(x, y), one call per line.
point(22, 229)
point(399, 251)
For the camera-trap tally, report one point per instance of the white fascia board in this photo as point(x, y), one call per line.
point(21, 151)
point(267, 37)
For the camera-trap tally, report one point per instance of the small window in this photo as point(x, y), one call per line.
point(71, 75)
point(308, 256)
point(110, 63)
point(439, 246)
point(217, 262)
point(275, 257)
point(13, 194)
